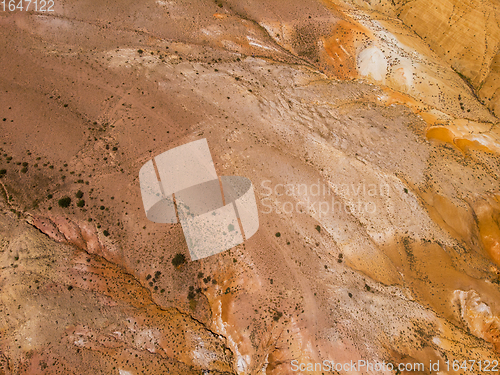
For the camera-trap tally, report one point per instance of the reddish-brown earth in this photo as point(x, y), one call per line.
point(360, 99)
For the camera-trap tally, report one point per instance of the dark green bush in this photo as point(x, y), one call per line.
point(64, 202)
point(178, 259)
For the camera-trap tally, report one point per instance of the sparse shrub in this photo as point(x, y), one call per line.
point(178, 260)
point(277, 316)
point(79, 194)
point(64, 202)
point(81, 203)
point(106, 233)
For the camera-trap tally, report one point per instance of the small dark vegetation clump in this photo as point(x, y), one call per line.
point(178, 260)
point(277, 316)
point(64, 202)
point(81, 203)
point(106, 233)
point(79, 194)
point(278, 234)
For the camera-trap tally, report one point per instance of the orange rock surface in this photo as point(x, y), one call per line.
point(363, 130)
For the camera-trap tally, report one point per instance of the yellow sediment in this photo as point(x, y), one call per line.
point(488, 218)
point(462, 133)
point(340, 48)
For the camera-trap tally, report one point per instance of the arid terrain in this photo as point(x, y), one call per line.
point(369, 130)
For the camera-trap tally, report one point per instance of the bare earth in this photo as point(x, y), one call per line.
point(373, 146)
